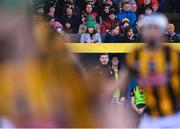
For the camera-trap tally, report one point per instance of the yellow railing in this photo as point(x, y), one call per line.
point(109, 47)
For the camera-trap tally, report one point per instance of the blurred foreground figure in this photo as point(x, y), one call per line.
point(158, 67)
point(41, 82)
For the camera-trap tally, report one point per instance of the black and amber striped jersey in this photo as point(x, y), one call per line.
point(159, 72)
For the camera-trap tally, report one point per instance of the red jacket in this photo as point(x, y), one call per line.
point(106, 25)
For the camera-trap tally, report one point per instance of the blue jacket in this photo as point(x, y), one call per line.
point(130, 15)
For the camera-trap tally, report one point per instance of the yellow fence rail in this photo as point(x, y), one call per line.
point(109, 47)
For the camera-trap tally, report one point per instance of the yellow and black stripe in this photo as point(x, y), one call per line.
point(162, 99)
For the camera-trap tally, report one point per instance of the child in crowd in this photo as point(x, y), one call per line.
point(171, 34)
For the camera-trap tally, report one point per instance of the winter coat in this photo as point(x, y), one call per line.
point(109, 38)
point(130, 15)
point(87, 38)
point(106, 25)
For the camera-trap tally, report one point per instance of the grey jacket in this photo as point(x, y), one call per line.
point(86, 38)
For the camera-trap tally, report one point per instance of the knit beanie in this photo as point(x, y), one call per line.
point(91, 22)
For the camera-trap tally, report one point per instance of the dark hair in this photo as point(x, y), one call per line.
point(148, 6)
point(115, 55)
point(103, 54)
point(90, 4)
point(127, 2)
point(127, 29)
point(94, 32)
point(114, 27)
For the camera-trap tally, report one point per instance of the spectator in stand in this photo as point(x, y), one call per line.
point(59, 8)
point(113, 6)
point(115, 68)
point(58, 28)
point(51, 11)
point(129, 36)
point(134, 7)
point(90, 11)
point(155, 7)
point(143, 4)
point(171, 34)
point(68, 27)
point(73, 4)
point(146, 2)
point(127, 13)
point(105, 12)
point(83, 26)
point(72, 18)
point(97, 5)
point(110, 21)
point(122, 3)
point(125, 23)
point(103, 68)
point(148, 10)
point(91, 35)
point(113, 35)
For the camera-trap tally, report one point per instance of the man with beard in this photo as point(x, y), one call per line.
point(104, 69)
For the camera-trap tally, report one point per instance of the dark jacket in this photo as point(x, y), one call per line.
point(104, 71)
point(173, 38)
point(74, 19)
point(109, 38)
point(134, 39)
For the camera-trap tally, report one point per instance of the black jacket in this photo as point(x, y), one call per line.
point(104, 71)
point(134, 39)
point(173, 38)
point(112, 39)
point(74, 20)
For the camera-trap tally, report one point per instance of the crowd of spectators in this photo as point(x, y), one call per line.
point(117, 19)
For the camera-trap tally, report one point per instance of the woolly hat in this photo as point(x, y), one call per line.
point(91, 22)
point(57, 24)
point(125, 20)
point(91, 25)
